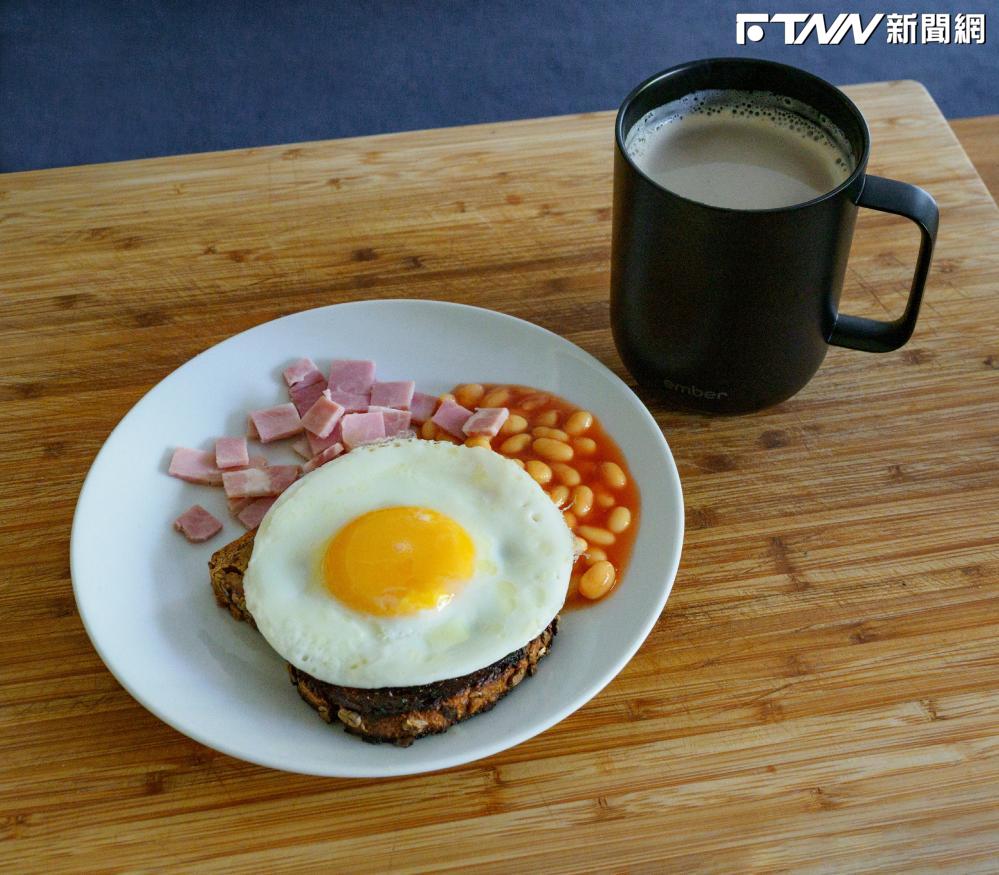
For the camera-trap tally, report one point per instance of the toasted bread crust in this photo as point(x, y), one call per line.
point(403, 714)
point(226, 569)
point(387, 714)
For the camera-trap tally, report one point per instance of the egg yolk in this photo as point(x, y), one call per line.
point(398, 560)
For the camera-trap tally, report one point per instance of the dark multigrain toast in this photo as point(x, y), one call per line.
point(396, 714)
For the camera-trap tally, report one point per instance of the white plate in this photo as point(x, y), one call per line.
point(143, 591)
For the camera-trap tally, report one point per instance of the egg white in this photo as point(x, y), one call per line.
point(523, 561)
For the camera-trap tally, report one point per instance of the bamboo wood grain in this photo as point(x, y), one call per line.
point(820, 693)
point(978, 137)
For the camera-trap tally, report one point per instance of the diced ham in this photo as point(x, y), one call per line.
point(255, 511)
point(303, 373)
point(197, 524)
point(257, 462)
point(303, 396)
point(318, 444)
point(282, 476)
point(236, 505)
point(322, 458)
point(451, 416)
point(422, 407)
point(251, 429)
point(351, 402)
point(274, 423)
point(259, 482)
point(396, 421)
point(231, 452)
point(301, 446)
point(323, 415)
point(195, 466)
point(362, 428)
point(247, 483)
point(354, 377)
point(486, 421)
point(398, 394)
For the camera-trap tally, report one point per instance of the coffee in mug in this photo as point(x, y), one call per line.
point(737, 184)
point(745, 150)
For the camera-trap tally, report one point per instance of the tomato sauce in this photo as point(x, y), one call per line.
point(606, 517)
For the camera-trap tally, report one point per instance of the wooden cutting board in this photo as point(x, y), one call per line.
point(821, 691)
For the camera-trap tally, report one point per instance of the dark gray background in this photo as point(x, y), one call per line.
point(93, 81)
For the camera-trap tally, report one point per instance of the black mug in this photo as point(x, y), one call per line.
point(731, 310)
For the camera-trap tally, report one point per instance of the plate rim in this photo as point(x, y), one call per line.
point(488, 749)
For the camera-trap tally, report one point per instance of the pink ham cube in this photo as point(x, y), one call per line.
point(252, 515)
point(422, 407)
point(259, 482)
point(303, 373)
point(323, 415)
point(362, 428)
point(327, 455)
point(486, 421)
point(274, 423)
point(197, 524)
point(398, 394)
point(351, 402)
point(195, 466)
point(236, 505)
point(451, 416)
point(301, 446)
point(354, 377)
point(282, 476)
point(304, 395)
point(248, 483)
point(231, 452)
point(318, 444)
point(396, 421)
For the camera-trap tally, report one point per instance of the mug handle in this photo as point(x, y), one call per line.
point(901, 199)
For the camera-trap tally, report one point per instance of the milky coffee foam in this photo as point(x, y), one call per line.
point(748, 150)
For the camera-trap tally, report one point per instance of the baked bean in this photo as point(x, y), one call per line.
point(619, 520)
point(597, 580)
point(560, 495)
point(582, 500)
point(579, 422)
point(428, 430)
point(548, 418)
point(447, 396)
point(613, 475)
point(496, 398)
point(533, 402)
point(553, 450)
point(566, 451)
point(469, 395)
point(566, 474)
point(553, 433)
point(539, 471)
point(597, 536)
point(516, 444)
point(515, 424)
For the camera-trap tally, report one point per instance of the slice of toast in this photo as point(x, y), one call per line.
point(396, 714)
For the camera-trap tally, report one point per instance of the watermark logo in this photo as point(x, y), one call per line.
point(900, 28)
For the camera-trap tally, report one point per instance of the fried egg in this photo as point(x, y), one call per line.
point(408, 562)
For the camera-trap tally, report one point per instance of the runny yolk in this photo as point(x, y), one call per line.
point(398, 560)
